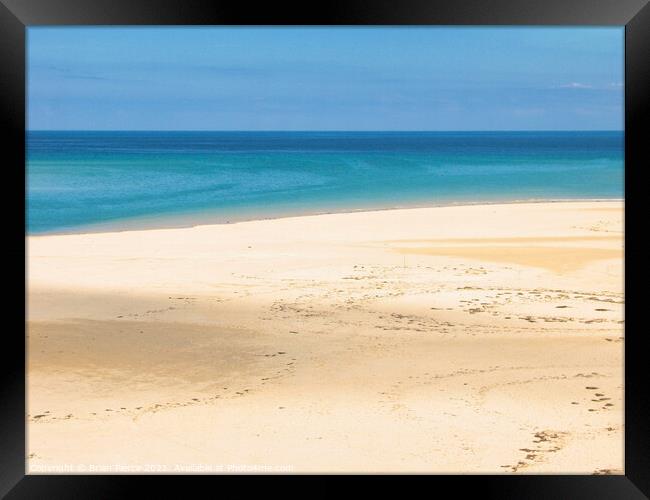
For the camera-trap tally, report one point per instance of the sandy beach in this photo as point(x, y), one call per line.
point(465, 339)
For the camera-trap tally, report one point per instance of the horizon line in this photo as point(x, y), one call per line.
point(320, 130)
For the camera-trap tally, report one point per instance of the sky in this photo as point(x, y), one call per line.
point(336, 78)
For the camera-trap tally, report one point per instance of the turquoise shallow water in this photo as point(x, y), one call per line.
point(79, 180)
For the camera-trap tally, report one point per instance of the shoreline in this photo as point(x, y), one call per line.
point(151, 223)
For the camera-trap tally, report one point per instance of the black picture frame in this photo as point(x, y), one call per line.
point(17, 15)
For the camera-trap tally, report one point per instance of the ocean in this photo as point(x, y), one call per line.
point(84, 181)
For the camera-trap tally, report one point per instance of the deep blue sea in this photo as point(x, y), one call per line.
point(83, 180)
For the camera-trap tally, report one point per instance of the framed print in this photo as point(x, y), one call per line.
point(364, 239)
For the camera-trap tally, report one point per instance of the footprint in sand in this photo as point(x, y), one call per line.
point(545, 442)
point(606, 472)
point(600, 397)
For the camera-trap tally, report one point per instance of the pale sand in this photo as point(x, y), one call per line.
point(458, 339)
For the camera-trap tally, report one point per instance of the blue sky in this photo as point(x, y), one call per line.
point(375, 78)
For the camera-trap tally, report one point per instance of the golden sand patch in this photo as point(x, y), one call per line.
point(603, 209)
point(516, 240)
point(554, 258)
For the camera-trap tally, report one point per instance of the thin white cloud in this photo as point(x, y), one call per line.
point(617, 86)
point(576, 85)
